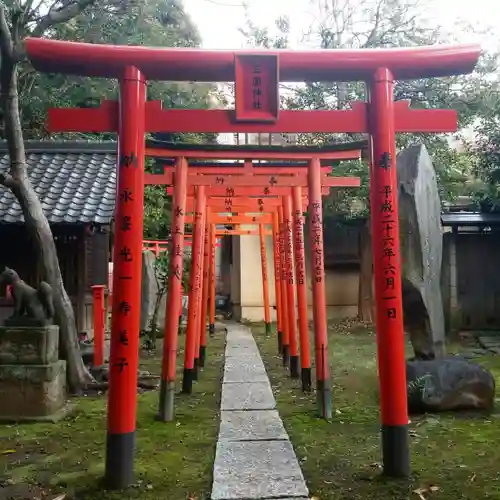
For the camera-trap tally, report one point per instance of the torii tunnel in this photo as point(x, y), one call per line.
point(257, 109)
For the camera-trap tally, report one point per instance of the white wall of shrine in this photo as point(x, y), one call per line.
point(246, 283)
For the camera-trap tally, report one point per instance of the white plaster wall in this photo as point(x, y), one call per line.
point(341, 287)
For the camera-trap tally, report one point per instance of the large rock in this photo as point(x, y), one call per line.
point(421, 251)
point(446, 384)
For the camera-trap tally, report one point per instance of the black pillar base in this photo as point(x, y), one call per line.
point(120, 451)
point(396, 451)
point(187, 380)
point(305, 375)
point(294, 367)
point(286, 355)
point(280, 342)
point(203, 355)
point(166, 405)
point(195, 369)
point(211, 329)
point(268, 329)
point(324, 399)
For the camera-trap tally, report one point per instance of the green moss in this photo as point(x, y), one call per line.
point(174, 460)
point(456, 455)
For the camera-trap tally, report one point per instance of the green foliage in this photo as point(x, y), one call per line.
point(161, 23)
point(162, 270)
point(391, 23)
point(139, 22)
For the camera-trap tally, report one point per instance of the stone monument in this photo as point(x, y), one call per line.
point(32, 378)
point(435, 382)
point(421, 252)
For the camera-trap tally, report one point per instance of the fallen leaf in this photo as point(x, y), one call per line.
point(433, 488)
point(8, 452)
point(420, 492)
point(472, 478)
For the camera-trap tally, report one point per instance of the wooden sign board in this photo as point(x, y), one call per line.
point(256, 88)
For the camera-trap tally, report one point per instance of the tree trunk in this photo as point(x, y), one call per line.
point(37, 224)
point(365, 290)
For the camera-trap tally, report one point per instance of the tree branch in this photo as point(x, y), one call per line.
point(7, 181)
point(60, 15)
point(6, 45)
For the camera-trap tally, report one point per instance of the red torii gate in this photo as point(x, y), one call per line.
point(380, 117)
point(244, 184)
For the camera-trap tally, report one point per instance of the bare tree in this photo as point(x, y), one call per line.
point(18, 19)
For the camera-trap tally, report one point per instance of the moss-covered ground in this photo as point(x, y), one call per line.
point(173, 461)
point(453, 456)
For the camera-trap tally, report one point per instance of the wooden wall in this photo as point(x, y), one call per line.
point(478, 280)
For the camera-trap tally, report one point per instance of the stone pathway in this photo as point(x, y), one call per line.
point(254, 457)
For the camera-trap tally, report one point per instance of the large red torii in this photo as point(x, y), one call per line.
point(132, 117)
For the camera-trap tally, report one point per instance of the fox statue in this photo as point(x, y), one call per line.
point(32, 306)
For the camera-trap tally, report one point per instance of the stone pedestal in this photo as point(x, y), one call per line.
point(32, 378)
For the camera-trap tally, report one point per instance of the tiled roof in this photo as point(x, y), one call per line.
point(75, 181)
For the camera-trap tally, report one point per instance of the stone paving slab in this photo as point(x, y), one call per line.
point(247, 396)
point(254, 457)
point(243, 346)
point(249, 369)
point(241, 352)
point(254, 425)
point(257, 470)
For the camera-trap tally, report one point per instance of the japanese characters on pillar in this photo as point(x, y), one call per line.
point(387, 224)
point(299, 244)
point(176, 263)
point(256, 88)
point(317, 241)
point(289, 249)
point(282, 246)
point(263, 253)
point(127, 259)
point(387, 274)
point(228, 200)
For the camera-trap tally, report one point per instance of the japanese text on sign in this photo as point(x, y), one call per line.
point(256, 86)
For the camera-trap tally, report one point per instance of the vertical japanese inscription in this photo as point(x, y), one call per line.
point(282, 252)
point(199, 269)
point(317, 241)
point(263, 256)
point(299, 244)
point(175, 267)
point(256, 86)
point(125, 255)
point(277, 252)
point(389, 250)
point(289, 249)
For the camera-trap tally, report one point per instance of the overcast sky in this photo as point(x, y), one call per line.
point(218, 20)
